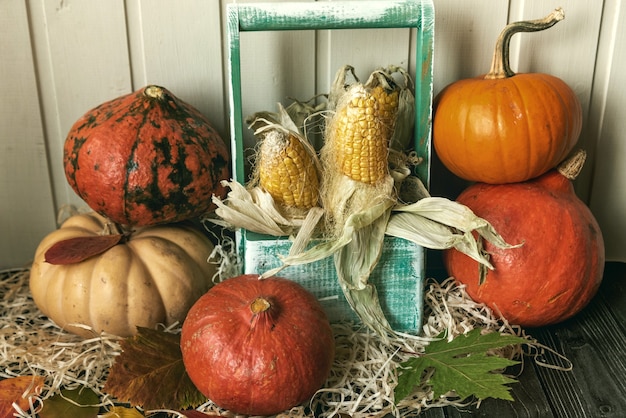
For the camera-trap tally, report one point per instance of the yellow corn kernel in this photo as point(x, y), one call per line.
point(360, 133)
point(287, 171)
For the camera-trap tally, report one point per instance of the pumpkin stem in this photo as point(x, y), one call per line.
point(259, 305)
point(154, 92)
point(113, 228)
point(571, 167)
point(500, 65)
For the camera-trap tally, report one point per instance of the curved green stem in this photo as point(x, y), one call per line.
point(500, 66)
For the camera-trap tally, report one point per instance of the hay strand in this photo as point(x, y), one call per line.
point(361, 382)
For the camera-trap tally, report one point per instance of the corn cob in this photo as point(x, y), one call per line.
point(286, 171)
point(286, 164)
point(359, 134)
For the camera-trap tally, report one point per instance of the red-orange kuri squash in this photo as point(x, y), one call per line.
point(257, 347)
point(559, 267)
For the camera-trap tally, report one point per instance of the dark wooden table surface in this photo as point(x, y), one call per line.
point(594, 341)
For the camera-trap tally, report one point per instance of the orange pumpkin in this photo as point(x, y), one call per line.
point(505, 127)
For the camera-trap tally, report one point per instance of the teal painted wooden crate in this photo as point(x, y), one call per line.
point(399, 275)
point(398, 278)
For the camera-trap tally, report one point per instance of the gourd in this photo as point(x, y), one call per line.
point(505, 127)
point(152, 276)
point(146, 158)
point(559, 266)
point(257, 346)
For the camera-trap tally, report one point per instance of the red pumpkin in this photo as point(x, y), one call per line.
point(146, 158)
point(257, 347)
point(505, 127)
point(559, 267)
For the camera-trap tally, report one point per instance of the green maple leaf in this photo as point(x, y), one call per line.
point(462, 365)
point(76, 403)
point(150, 373)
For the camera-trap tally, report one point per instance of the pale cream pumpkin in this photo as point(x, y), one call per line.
point(153, 277)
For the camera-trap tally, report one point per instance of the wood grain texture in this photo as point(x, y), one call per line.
point(180, 49)
point(26, 205)
point(608, 186)
point(272, 66)
point(267, 16)
point(580, 372)
point(81, 53)
point(86, 52)
point(568, 51)
point(464, 41)
point(465, 34)
point(595, 385)
point(400, 286)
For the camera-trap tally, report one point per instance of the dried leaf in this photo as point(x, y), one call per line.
point(463, 365)
point(18, 390)
point(76, 403)
point(123, 412)
point(75, 250)
point(252, 209)
point(150, 373)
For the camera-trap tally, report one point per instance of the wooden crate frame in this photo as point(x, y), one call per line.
point(281, 16)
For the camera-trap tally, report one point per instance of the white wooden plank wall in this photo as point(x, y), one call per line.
point(60, 58)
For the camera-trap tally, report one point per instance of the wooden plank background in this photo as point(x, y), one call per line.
point(60, 58)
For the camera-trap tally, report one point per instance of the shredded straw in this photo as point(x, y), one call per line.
point(361, 382)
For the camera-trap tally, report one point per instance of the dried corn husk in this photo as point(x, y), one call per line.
point(340, 83)
point(308, 116)
point(358, 135)
point(405, 119)
point(439, 223)
point(255, 210)
point(355, 216)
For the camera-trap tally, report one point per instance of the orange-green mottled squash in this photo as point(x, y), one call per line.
point(146, 158)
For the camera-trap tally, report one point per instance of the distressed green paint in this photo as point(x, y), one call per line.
point(417, 14)
point(330, 15)
point(399, 275)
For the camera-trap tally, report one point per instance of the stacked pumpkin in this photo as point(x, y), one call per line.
point(147, 163)
point(511, 135)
